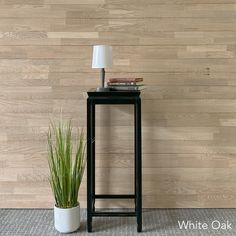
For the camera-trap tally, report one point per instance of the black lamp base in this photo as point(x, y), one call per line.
point(105, 89)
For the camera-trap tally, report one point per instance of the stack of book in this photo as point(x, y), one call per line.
point(125, 83)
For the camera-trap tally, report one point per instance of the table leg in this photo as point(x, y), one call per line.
point(89, 165)
point(93, 156)
point(138, 164)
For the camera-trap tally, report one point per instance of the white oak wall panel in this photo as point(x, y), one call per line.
point(186, 52)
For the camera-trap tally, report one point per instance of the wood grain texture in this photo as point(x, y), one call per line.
point(186, 52)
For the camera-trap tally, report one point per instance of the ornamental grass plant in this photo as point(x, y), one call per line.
point(66, 159)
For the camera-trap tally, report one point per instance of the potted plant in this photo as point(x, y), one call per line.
point(66, 159)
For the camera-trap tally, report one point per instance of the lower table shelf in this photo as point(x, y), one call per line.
point(111, 196)
point(114, 214)
point(96, 213)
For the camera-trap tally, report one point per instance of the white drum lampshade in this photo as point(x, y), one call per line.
point(102, 58)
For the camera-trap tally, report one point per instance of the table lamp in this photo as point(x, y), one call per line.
point(102, 58)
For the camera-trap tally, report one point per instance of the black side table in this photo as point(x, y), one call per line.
point(113, 97)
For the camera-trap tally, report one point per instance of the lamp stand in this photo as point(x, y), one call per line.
point(102, 78)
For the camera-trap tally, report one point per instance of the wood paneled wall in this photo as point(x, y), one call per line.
point(184, 50)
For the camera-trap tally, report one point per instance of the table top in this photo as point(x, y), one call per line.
point(115, 93)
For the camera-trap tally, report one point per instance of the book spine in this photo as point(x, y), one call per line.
point(124, 87)
point(125, 80)
point(121, 83)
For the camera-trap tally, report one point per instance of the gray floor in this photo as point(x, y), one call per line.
point(155, 222)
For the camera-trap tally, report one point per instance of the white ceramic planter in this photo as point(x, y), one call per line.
point(67, 220)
